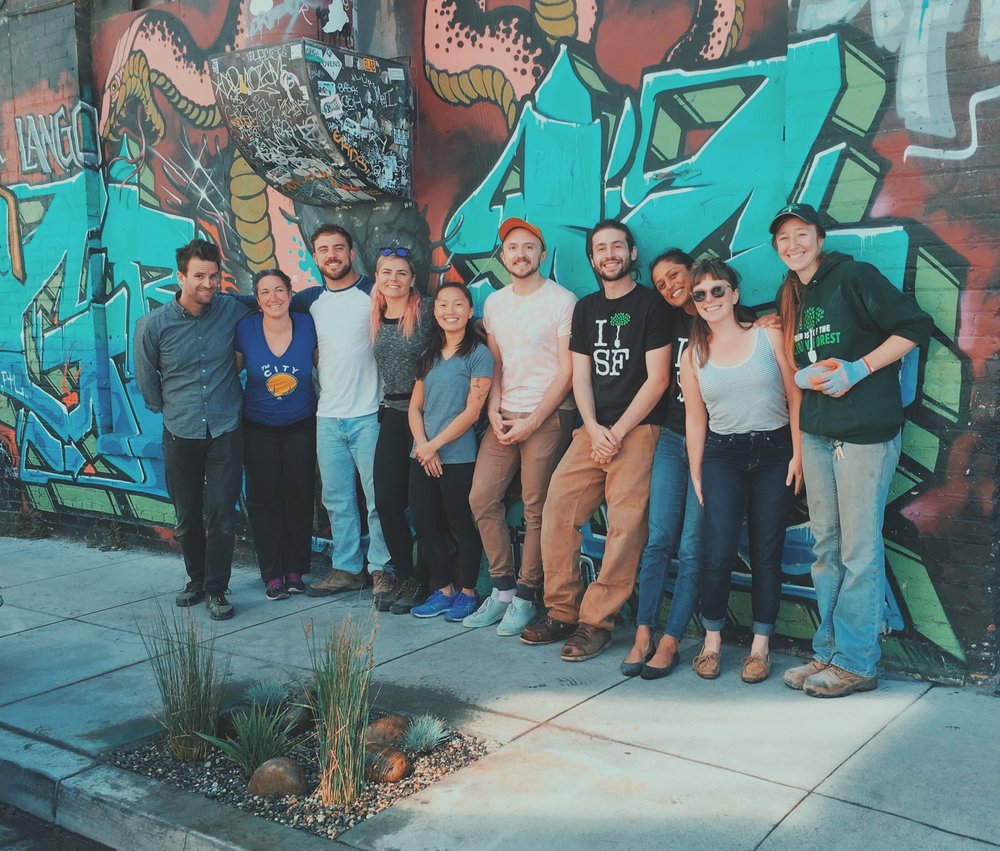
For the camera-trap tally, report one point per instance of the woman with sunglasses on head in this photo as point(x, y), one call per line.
point(401, 324)
point(278, 351)
point(847, 328)
point(674, 510)
point(453, 382)
point(743, 445)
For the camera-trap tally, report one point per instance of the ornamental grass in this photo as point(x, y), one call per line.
point(261, 735)
point(341, 669)
point(188, 679)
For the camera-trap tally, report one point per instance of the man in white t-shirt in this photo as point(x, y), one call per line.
point(531, 418)
point(347, 417)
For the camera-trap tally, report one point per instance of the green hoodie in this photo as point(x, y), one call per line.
point(848, 310)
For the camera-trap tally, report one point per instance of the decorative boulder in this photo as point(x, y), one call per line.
point(278, 776)
point(302, 720)
point(387, 731)
point(384, 764)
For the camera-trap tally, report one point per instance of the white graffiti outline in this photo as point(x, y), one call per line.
point(958, 153)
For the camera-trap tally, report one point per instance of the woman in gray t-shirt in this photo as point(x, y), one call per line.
point(401, 324)
point(453, 381)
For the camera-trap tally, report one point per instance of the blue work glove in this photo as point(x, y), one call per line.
point(809, 376)
point(841, 375)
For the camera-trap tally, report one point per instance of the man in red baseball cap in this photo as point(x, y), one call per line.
point(531, 415)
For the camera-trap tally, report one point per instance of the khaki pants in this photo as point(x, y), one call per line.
point(496, 466)
point(578, 485)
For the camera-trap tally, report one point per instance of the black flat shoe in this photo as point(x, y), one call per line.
point(632, 669)
point(648, 672)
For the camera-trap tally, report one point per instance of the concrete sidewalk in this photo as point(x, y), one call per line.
point(587, 758)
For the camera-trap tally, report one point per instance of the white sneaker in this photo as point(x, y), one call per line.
point(520, 614)
point(491, 611)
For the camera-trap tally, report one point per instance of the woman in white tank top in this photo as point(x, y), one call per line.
point(743, 445)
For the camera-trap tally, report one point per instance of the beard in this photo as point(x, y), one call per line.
point(335, 272)
point(624, 272)
point(524, 270)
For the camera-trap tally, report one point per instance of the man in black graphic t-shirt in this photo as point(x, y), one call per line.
point(621, 364)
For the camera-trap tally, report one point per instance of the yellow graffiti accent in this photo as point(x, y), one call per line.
point(556, 18)
point(248, 200)
point(352, 153)
point(479, 83)
point(133, 82)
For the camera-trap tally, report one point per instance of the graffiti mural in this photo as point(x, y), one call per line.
point(693, 122)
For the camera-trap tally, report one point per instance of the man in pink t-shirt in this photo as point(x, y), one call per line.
point(531, 417)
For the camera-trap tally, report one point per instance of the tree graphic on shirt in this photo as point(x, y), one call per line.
point(811, 317)
point(619, 321)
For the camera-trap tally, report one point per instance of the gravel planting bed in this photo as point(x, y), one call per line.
point(220, 780)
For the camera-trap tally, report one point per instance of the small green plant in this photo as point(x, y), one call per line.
point(188, 679)
point(260, 736)
point(269, 695)
point(29, 523)
point(341, 669)
point(425, 733)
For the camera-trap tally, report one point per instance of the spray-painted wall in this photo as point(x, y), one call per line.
point(691, 124)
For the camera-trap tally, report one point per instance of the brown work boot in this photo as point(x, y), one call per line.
point(836, 682)
point(411, 593)
point(794, 677)
point(385, 589)
point(335, 582)
point(586, 643)
point(547, 631)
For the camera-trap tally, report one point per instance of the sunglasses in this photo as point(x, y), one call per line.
point(397, 252)
point(718, 291)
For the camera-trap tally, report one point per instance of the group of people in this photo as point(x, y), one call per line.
point(692, 416)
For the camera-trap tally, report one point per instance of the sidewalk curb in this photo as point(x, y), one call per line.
point(125, 810)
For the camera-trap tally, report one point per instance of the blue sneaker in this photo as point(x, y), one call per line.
point(463, 606)
point(437, 604)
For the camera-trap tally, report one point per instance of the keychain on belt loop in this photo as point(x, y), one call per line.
point(838, 450)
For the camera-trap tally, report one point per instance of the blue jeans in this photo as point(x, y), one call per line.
point(674, 513)
point(743, 475)
point(846, 499)
point(345, 445)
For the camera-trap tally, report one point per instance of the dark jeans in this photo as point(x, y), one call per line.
point(280, 464)
point(743, 475)
point(203, 479)
point(437, 506)
point(392, 482)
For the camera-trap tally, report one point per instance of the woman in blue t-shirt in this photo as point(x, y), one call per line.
point(454, 375)
point(278, 350)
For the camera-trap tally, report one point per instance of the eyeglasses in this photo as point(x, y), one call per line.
point(398, 252)
point(718, 291)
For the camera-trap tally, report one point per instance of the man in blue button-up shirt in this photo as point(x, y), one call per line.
point(185, 369)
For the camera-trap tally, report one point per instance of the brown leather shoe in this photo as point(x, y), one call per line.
point(335, 582)
point(547, 631)
point(707, 665)
point(755, 669)
point(836, 682)
point(794, 677)
point(586, 643)
point(385, 589)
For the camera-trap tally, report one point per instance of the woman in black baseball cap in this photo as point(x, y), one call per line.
point(846, 327)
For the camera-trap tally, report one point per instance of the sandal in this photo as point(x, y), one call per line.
point(755, 669)
point(707, 665)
